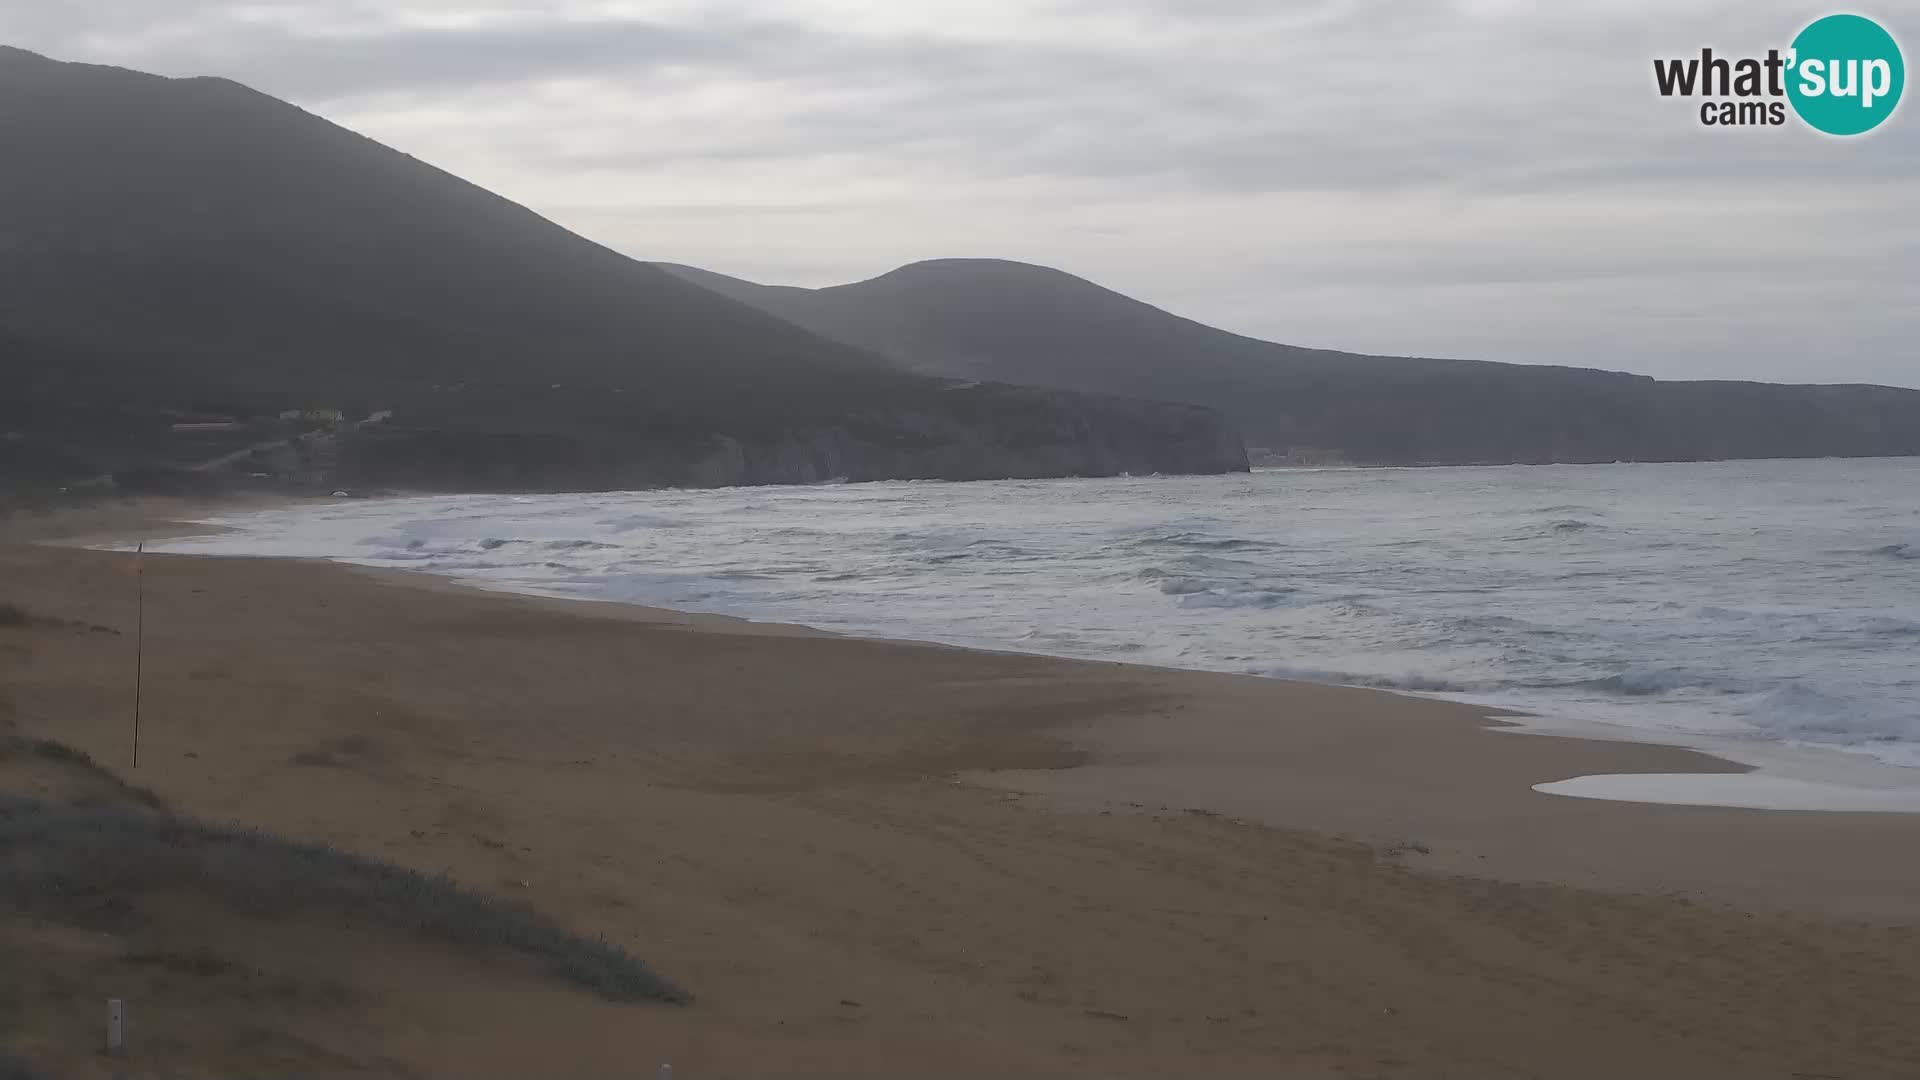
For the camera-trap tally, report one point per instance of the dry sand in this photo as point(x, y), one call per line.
point(883, 858)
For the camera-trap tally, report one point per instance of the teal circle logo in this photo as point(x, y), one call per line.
point(1845, 75)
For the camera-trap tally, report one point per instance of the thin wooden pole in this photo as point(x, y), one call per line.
point(116, 1027)
point(139, 639)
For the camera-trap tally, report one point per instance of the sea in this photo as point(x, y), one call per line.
point(1767, 611)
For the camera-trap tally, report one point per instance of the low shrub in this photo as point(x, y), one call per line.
point(14, 746)
point(52, 857)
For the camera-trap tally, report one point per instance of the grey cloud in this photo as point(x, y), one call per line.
point(281, 60)
point(988, 108)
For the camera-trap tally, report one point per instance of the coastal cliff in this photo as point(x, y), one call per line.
point(992, 433)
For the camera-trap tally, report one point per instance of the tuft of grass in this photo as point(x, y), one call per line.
point(55, 751)
point(55, 857)
point(61, 753)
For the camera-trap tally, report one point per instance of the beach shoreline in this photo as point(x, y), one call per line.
point(165, 518)
point(992, 854)
point(1770, 776)
point(172, 518)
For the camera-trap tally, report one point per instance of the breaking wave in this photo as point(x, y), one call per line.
point(1414, 681)
point(1647, 682)
point(1807, 714)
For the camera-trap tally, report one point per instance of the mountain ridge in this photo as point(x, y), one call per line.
point(999, 319)
point(192, 245)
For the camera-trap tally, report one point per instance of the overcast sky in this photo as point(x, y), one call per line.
point(1493, 179)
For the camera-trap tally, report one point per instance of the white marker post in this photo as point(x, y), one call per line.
point(116, 1027)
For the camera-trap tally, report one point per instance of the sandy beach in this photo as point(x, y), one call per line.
point(870, 857)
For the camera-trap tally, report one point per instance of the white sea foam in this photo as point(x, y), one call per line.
point(1754, 603)
point(1758, 791)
